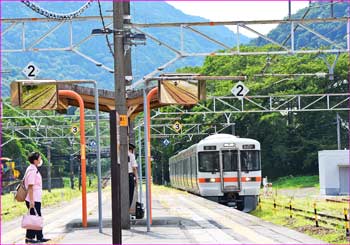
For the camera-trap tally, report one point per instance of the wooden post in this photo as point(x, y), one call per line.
point(260, 203)
point(290, 209)
point(347, 233)
point(316, 217)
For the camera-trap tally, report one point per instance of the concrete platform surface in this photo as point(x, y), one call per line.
point(178, 218)
point(183, 218)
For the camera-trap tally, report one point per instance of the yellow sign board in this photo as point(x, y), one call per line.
point(123, 120)
point(177, 126)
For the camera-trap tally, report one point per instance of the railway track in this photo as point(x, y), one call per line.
point(51, 103)
point(35, 97)
point(185, 97)
point(45, 95)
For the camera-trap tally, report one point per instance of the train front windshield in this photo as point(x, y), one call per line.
point(209, 161)
point(250, 160)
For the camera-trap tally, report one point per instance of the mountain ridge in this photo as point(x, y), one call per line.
point(62, 65)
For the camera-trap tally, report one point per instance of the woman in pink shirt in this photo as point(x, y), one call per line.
point(34, 185)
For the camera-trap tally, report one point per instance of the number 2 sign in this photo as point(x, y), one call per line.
point(239, 90)
point(31, 70)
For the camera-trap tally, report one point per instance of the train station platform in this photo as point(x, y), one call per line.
point(183, 218)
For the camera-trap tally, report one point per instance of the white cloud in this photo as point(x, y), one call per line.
point(240, 10)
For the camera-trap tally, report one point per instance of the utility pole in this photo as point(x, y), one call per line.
point(121, 110)
point(115, 179)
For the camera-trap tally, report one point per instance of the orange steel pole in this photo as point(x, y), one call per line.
point(150, 95)
point(74, 95)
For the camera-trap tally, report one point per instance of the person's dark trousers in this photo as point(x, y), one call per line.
point(131, 187)
point(32, 233)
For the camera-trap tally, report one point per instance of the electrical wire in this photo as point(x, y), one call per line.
point(295, 28)
point(104, 28)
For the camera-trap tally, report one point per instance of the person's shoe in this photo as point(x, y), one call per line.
point(28, 241)
point(43, 240)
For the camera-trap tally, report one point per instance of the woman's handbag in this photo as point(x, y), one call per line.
point(32, 222)
point(21, 192)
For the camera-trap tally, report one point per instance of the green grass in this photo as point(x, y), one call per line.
point(291, 182)
point(280, 216)
point(11, 208)
point(324, 232)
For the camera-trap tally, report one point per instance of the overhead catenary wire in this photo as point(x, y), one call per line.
point(269, 60)
point(104, 28)
point(309, 8)
point(58, 16)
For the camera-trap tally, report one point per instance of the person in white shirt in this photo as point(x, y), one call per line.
point(132, 172)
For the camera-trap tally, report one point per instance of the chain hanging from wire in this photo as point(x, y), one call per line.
point(58, 16)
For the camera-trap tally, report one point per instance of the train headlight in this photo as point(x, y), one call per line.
point(248, 179)
point(229, 145)
point(212, 180)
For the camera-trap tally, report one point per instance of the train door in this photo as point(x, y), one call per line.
point(190, 172)
point(230, 170)
point(194, 173)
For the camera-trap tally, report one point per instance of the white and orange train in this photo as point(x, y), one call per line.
point(221, 167)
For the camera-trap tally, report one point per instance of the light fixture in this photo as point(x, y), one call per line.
point(105, 31)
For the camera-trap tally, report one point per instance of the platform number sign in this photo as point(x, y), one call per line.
point(31, 71)
point(239, 90)
point(74, 129)
point(177, 126)
point(166, 142)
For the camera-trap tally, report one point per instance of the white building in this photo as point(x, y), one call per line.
point(334, 169)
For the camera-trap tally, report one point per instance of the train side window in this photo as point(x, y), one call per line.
point(208, 161)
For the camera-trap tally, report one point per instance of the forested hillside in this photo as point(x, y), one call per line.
point(290, 142)
point(68, 65)
point(335, 31)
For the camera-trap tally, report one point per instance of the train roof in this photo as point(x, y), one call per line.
point(219, 138)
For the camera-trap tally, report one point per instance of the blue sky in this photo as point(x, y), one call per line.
point(240, 10)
